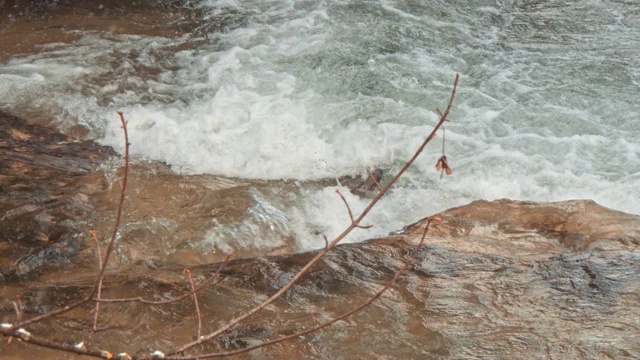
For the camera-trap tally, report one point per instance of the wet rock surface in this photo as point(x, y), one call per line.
point(552, 280)
point(501, 279)
point(44, 188)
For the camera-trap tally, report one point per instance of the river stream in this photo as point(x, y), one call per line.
point(245, 117)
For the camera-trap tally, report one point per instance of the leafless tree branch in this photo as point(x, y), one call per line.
point(195, 300)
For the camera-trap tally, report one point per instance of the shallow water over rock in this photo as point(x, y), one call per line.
point(502, 279)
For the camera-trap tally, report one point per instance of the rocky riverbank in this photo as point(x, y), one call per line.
point(500, 279)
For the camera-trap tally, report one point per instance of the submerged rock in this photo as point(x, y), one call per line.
point(44, 187)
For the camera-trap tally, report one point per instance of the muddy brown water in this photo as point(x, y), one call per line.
point(500, 280)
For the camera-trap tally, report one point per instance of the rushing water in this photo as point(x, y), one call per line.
point(547, 108)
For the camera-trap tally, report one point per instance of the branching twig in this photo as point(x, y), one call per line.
point(375, 181)
point(116, 226)
point(17, 329)
point(110, 247)
point(349, 210)
point(99, 294)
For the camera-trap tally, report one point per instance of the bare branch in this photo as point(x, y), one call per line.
point(116, 226)
point(110, 247)
point(17, 330)
point(79, 348)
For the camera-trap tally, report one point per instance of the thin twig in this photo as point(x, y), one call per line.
point(94, 329)
point(51, 344)
point(116, 226)
point(349, 210)
point(17, 330)
point(345, 204)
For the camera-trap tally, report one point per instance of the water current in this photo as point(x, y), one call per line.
point(547, 107)
point(284, 100)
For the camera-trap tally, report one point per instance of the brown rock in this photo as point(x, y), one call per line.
point(41, 187)
point(575, 223)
